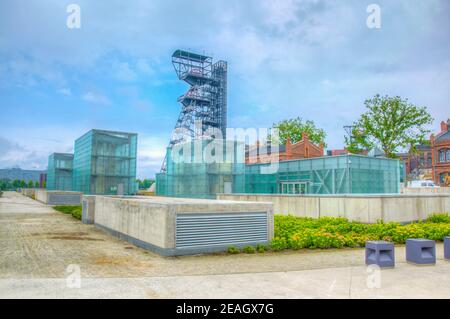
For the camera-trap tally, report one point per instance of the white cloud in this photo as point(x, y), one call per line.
point(26, 72)
point(30, 148)
point(96, 97)
point(143, 66)
point(65, 91)
point(311, 58)
point(151, 153)
point(123, 72)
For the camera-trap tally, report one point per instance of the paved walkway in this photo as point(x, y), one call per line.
point(41, 251)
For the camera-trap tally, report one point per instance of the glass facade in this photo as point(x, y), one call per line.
point(202, 168)
point(105, 163)
point(59, 172)
point(343, 174)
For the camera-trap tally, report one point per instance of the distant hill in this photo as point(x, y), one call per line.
point(20, 174)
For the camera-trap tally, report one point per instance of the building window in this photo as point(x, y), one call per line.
point(442, 156)
point(448, 155)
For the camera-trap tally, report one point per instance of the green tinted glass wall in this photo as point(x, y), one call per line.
point(343, 174)
point(190, 173)
point(105, 163)
point(374, 175)
point(59, 172)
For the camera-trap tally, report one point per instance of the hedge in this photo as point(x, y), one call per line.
point(297, 232)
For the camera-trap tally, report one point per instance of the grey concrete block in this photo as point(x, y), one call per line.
point(88, 209)
point(447, 248)
point(58, 197)
point(380, 253)
point(184, 226)
point(421, 251)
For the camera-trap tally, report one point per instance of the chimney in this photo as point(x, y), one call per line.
point(444, 126)
point(288, 145)
point(322, 146)
point(304, 136)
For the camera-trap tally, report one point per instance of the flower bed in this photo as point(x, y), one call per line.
point(295, 233)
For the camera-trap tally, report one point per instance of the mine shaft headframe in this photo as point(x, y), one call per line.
point(188, 63)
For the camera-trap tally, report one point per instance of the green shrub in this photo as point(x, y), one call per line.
point(75, 211)
point(260, 248)
point(249, 250)
point(439, 218)
point(296, 233)
point(278, 243)
point(233, 250)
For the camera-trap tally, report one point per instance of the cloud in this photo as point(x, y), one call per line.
point(6, 147)
point(65, 91)
point(14, 155)
point(286, 58)
point(96, 97)
point(151, 153)
point(25, 72)
point(144, 67)
point(30, 148)
point(123, 72)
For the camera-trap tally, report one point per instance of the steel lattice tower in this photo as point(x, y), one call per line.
point(204, 105)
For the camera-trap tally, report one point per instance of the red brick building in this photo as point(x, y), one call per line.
point(337, 152)
point(266, 154)
point(418, 165)
point(440, 145)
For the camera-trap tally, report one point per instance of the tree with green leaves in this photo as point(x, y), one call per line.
point(30, 184)
point(23, 184)
point(16, 183)
point(36, 185)
point(293, 129)
point(389, 123)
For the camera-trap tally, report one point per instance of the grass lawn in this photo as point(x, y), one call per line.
point(75, 211)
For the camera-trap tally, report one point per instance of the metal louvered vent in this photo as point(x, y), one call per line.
point(200, 230)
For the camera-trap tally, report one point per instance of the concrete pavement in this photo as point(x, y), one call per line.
point(43, 251)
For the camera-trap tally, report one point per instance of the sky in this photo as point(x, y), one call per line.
point(311, 58)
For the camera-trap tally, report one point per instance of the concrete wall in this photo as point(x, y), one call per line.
point(88, 209)
point(363, 208)
point(58, 197)
point(150, 222)
point(41, 195)
point(426, 190)
point(29, 192)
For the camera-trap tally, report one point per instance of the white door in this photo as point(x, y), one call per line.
point(227, 189)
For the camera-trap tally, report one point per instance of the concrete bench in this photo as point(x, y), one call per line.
point(380, 253)
point(421, 251)
point(447, 248)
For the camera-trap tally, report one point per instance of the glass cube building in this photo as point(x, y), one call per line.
point(202, 169)
point(105, 163)
point(59, 172)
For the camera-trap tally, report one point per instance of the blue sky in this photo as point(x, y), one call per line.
point(315, 59)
